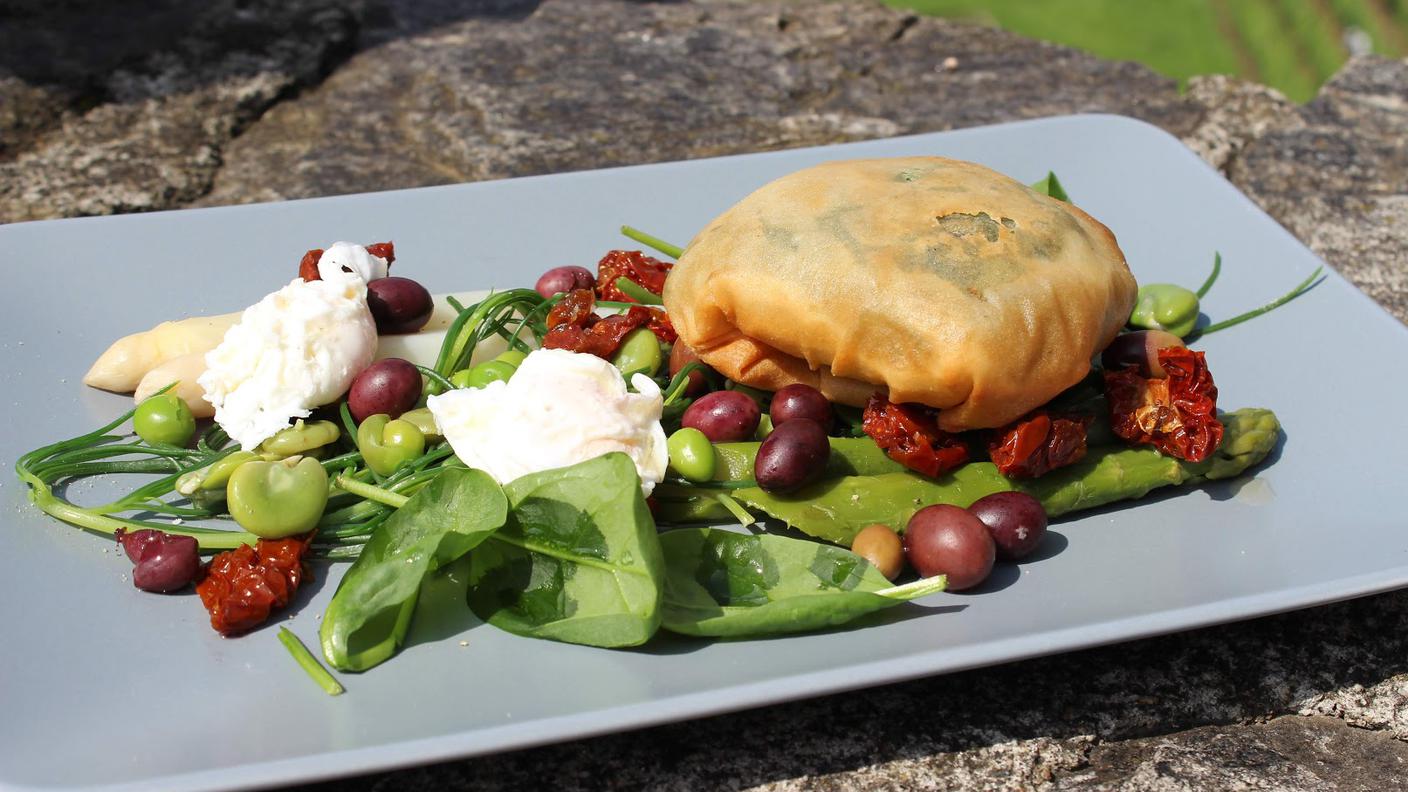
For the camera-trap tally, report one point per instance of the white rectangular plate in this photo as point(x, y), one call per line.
point(104, 687)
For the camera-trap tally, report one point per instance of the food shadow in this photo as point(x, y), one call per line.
point(1006, 573)
point(442, 610)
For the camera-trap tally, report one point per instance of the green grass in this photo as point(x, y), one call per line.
point(1292, 45)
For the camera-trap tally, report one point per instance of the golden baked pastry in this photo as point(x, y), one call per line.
point(941, 281)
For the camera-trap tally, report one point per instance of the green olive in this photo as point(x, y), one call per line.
point(1164, 306)
point(273, 500)
point(460, 379)
point(513, 357)
point(692, 455)
point(300, 438)
point(423, 420)
point(882, 548)
point(164, 419)
point(639, 353)
point(386, 444)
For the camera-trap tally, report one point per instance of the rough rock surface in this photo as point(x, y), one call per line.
point(600, 83)
point(138, 121)
point(237, 101)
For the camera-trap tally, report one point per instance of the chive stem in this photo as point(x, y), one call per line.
point(1301, 288)
point(673, 251)
point(1212, 278)
point(638, 292)
point(309, 663)
point(370, 492)
point(736, 509)
point(433, 375)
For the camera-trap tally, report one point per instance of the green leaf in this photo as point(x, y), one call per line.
point(368, 617)
point(1051, 186)
point(577, 561)
point(730, 585)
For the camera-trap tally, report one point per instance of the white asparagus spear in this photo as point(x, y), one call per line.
point(134, 362)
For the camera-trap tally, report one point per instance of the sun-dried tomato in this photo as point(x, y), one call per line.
point(661, 326)
point(910, 435)
point(308, 266)
point(243, 586)
point(633, 265)
point(573, 325)
point(1038, 443)
point(1176, 414)
point(575, 308)
point(383, 250)
point(602, 338)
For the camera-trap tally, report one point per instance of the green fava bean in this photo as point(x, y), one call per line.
point(1164, 306)
point(487, 372)
point(273, 500)
point(386, 444)
point(692, 455)
point(639, 353)
point(299, 439)
point(424, 421)
point(213, 477)
point(513, 357)
point(164, 420)
point(764, 427)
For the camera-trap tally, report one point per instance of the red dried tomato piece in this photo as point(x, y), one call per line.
point(602, 338)
point(633, 265)
point(383, 250)
point(910, 435)
point(575, 308)
point(661, 326)
point(573, 325)
point(1176, 414)
point(1038, 443)
point(243, 586)
point(308, 266)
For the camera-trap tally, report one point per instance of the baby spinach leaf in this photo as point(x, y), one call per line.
point(1050, 185)
point(577, 561)
point(731, 585)
point(368, 617)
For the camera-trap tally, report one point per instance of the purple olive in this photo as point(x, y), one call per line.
point(163, 562)
point(947, 540)
point(793, 456)
point(399, 305)
point(564, 279)
point(134, 542)
point(390, 386)
point(800, 401)
point(1016, 521)
point(723, 416)
point(1139, 349)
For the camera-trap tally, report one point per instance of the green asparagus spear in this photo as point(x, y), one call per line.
point(835, 509)
point(850, 456)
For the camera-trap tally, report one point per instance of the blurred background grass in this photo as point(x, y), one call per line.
point(1292, 45)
